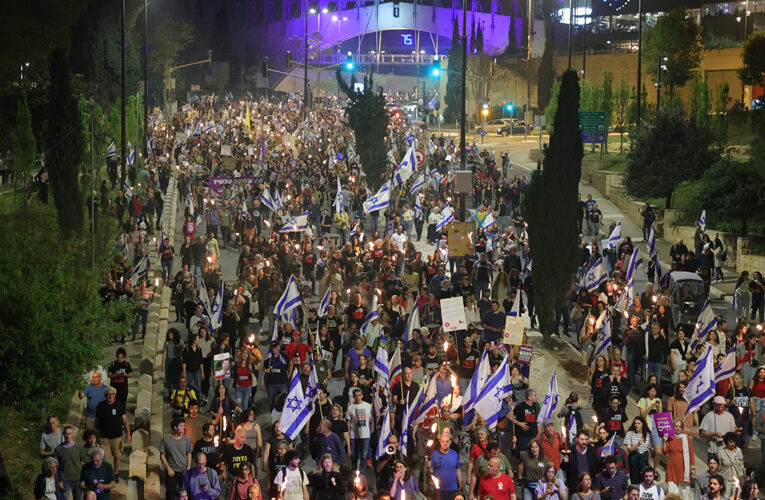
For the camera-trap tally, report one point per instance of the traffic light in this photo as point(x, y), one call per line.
point(349, 65)
point(435, 69)
point(289, 59)
point(265, 67)
point(485, 110)
point(509, 107)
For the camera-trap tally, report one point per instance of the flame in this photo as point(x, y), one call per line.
point(268, 224)
point(224, 423)
point(436, 482)
point(156, 282)
point(251, 338)
point(216, 441)
point(434, 427)
point(654, 299)
point(595, 418)
point(446, 346)
point(592, 320)
point(209, 259)
point(454, 381)
point(563, 431)
point(430, 443)
point(626, 314)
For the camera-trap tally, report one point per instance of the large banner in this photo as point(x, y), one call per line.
point(218, 184)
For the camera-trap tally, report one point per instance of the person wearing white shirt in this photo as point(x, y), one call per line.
point(715, 425)
point(359, 427)
point(648, 489)
point(399, 238)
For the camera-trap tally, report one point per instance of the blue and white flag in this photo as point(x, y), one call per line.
point(488, 221)
point(480, 376)
point(371, 315)
point(703, 221)
point(417, 209)
point(624, 302)
point(706, 322)
point(267, 200)
point(216, 317)
point(278, 200)
point(324, 305)
point(381, 366)
point(298, 407)
point(603, 329)
point(127, 189)
point(635, 262)
point(572, 429)
point(367, 190)
point(497, 387)
point(289, 300)
point(130, 155)
point(701, 387)
point(140, 270)
point(613, 238)
point(297, 224)
point(445, 217)
point(657, 274)
point(596, 275)
point(428, 401)
point(208, 127)
point(551, 400)
point(404, 438)
point(394, 365)
point(379, 201)
point(413, 323)
point(609, 448)
point(355, 229)
point(196, 130)
point(419, 182)
point(515, 309)
point(405, 169)
point(727, 366)
point(149, 145)
point(204, 298)
point(111, 151)
point(186, 108)
point(651, 243)
point(383, 434)
point(339, 198)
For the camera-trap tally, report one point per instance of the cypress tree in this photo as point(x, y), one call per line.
point(551, 208)
point(452, 99)
point(65, 142)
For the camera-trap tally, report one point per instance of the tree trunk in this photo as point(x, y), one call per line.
point(668, 201)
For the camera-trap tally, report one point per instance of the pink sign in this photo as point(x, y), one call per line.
point(524, 354)
point(663, 423)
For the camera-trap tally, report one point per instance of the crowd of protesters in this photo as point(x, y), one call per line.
point(358, 260)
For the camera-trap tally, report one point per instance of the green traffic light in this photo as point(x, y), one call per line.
point(509, 106)
point(436, 72)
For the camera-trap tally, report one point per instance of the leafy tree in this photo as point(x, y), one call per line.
point(546, 72)
point(757, 124)
point(453, 97)
point(753, 54)
point(724, 194)
point(551, 202)
point(168, 42)
point(23, 140)
point(552, 107)
point(632, 109)
point(678, 38)
point(64, 141)
point(369, 121)
point(96, 54)
point(700, 103)
point(607, 99)
point(667, 152)
point(621, 110)
point(738, 115)
point(512, 43)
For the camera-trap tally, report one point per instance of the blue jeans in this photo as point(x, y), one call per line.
point(141, 317)
point(275, 390)
point(653, 369)
point(167, 269)
point(408, 229)
point(197, 275)
point(243, 396)
point(634, 367)
point(74, 487)
point(359, 453)
point(195, 381)
point(480, 286)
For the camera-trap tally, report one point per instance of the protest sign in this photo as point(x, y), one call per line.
point(222, 365)
point(663, 422)
point(453, 314)
point(524, 354)
point(513, 332)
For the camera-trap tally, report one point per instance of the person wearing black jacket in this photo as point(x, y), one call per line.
point(615, 386)
point(326, 483)
point(572, 463)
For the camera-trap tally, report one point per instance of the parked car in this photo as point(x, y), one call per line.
point(514, 127)
point(493, 124)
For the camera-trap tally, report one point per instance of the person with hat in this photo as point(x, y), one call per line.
point(715, 425)
point(276, 368)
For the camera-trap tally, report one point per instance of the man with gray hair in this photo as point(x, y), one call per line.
point(98, 476)
point(524, 419)
point(110, 417)
point(71, 457)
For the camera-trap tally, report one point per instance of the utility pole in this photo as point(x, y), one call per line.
point(305, 63)
point(639, 91)
point(463, 115)
point(146, 77)
point(528, 76)
point(570, 29)
point(584, 41)
point(123, 148)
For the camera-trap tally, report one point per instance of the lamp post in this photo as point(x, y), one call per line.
point(659, 68)
point(463, 116)
point(146, 76)
point(305, 63)
point(638, 97)
point(123, 94)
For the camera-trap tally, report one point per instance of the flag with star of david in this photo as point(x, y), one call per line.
point(299, 406)
point(497, 387)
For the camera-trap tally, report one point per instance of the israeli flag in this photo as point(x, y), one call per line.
point(128, 190)
point(497, 387)
point(204, 298)
point(355, 228)
point(339, 197)
point(480, 376)
point(381, 366)
point(623, 302)
point(488, 221)
point(299, 223)
point(417, 209)
point(609, 448)
point(298, 408)
point(445, 217)
point(111, 151)
point(208, 127)
point(413, 323)
point(371, 315)
point(289, 300)
point(427, 402)
point(221, 128)
point(595, 276)
point(702, 384)
point(404, 438)
point(130, 155)
point(419, 182)
point(431, 147)
point(551, 400)
point(216, 318)
point(196, 130)
point(515, 309)
point(324, 305)
point(727, 367)
point(706, 322)
point(657, 275)
point(603, 328)
point(186, 108)
point(149, 145)
point(651, 243)
point(140, 270)
point(613, 238)
point(572, 429)
point(267, 200)
point(278, 200)
point(703, 221)
point(635, 262)
point(394, 365)
point(405, 169)
point(367, 190)
point(378, 201)
point(384, 434)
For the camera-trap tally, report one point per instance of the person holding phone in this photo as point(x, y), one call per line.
point(201, 482)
